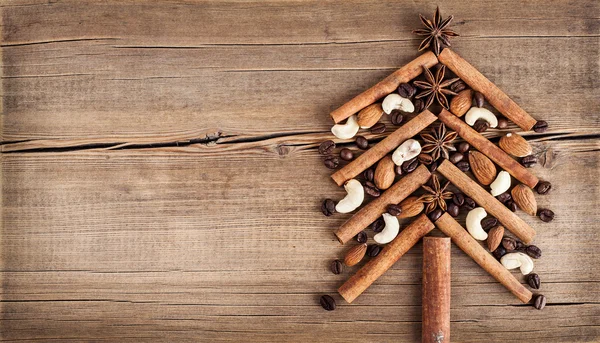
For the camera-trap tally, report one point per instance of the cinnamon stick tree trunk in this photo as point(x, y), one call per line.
point(436, 290)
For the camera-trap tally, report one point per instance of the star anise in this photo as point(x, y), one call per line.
point(436, 195)
point(435, 87)
point(436, 32)
point(438, 142)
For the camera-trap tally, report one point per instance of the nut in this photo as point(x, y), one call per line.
point(384, 173)
point(476, 113)
point(390, 231)
point(406, 151)
point(460, 104)
point(369, 115)
point(396, 102)
point(517, 260)
point(524, 198)
point(515, 145)
point(355, 254)
point(411, 206)
point(474, 218)
point(495, 237)
point(353, 199)
point(347, 130)
point(482, 167)
point(501, 184)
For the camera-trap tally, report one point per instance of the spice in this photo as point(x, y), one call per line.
point(435, 87)
point(436, 32)
point(437, 195)
point(438, 142)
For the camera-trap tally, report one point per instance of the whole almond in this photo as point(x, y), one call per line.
point(410, 206)
point(515, 145)
point(370, 115)
point(384, 173)
point(524, 198)
point(482, 167)
point(460, 104)
point(495, 237)
point(355, 254)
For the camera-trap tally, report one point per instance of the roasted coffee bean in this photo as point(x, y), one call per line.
point(509, 243)
point(419, 106)
point(529, 161)
point(398, 170)
point(337, 267)
point(479, 99)
point(425, 159)
point(504, 197)
point(463, 147)
point(406, 90)
point(331, 162)
point(511, 205)
point(463, 166)
point(362, 142)
point(458, 199)
point(502, 123)
point(346, 154)
point(543, 187)
point(327, 302)
point(456, 157)
point(436, 214)
point(540, 302)
point(394, 209)
point(410, 165)
point(362, 237)
point(520, 246)
point(533, 251)
point(481, 125)
point(433, 167)
point(540, 126)
point(371, 189)
point(453, 210)
point(488, 223)
point(533, 280)
point(458, 86)
point(378, 128)
point(396, 117)
point(326, 147)
point(469, 204)
point(378, 225)
point(369, 174)
point(499, 252)
point(328, 207)
point(546, 215)
point(373, 250)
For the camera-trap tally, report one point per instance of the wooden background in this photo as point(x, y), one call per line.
point(160, 179)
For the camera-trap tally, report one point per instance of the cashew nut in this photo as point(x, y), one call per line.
point(474, 218)
point(501, 184)
point(475, 113)
point(354, 198)
point(346, 131)
point(396, 102)
point(390, 231)
point(518, 260)
point(406, 151)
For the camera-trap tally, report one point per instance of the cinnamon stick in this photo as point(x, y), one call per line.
point(488, 148)
point(492, 206)
point(373, 210)
point(379, 150)
point(492, 93)
point(385, 87)
point(391, 253)
point(436, 290)
point(471, 247)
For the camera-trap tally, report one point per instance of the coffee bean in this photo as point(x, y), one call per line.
point(458, 199)
point(398, 170)
point(543, 187)
point(369, 174)
point(394, 209)
point(327, 302)
point(479, 98)
point(328, 207)
point(504, 197)
point(520, 246)
point(509, 243)
point(463, 166)
point(469, 204)
point(436, 214)
point(433, 167)
point(378, 225)
point(458, 86)
point(406, 90)
point(453, 210)
point(540, 126)
point(481, 125)
point(410, 165)
point(378, 128)
point(488, 223)
point(529, 161)
point(371, 189)
point(337, 267)
point(396, 117)
point(511, 205)
point(456, 157)
point(546, 215)
point(499, 252)
point(346, 154)
point(326, 147)
point(425, 159)
point(373, 250)
point(540, 302)
point(362, 237)
point(331, 162)
point(463, 147)
point(419, 106)
point(533, 280)
point(502, 123)
point(362, 142)
point(533, 251)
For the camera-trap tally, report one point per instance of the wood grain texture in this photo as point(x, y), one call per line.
point(160, 180)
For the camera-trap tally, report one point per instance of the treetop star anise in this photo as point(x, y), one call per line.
point(436, 32)
point(438, 142)
point(436, 195)
point(435, 87)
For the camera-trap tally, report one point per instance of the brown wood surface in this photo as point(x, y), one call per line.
point(160, 179)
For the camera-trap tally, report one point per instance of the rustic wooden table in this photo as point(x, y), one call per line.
point(160, 178)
